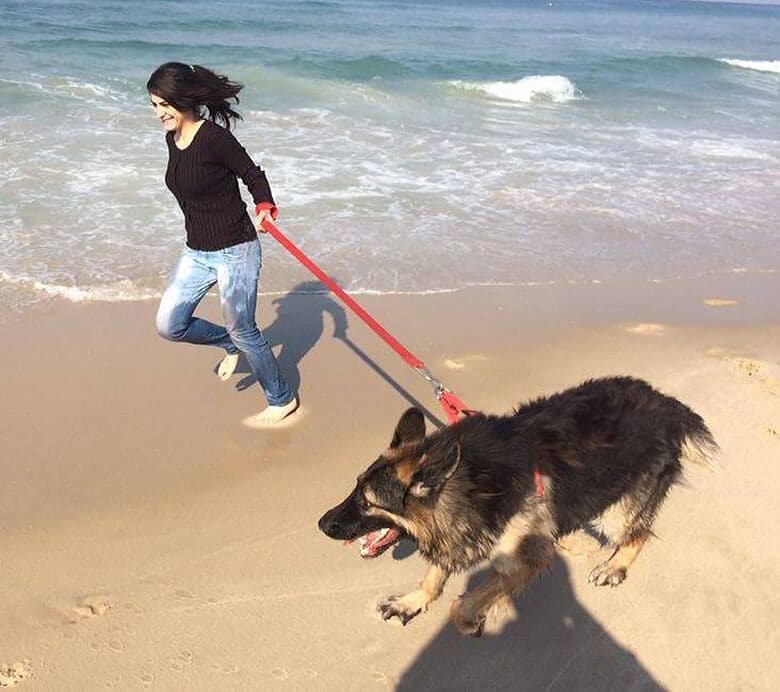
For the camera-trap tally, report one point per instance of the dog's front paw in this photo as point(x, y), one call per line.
point(606, 574)
point(402, 607)
point(468, 623)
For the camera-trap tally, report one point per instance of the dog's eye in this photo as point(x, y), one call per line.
point(366, 505)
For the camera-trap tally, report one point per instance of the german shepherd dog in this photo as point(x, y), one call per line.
point(504, 489)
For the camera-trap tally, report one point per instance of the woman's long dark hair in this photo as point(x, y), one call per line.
point(195, 88)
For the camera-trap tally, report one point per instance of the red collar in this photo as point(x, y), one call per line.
point(538, 482)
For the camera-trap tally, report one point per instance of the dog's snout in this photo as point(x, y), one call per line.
point(332, 524)
point(343, 522)
point(328, 525)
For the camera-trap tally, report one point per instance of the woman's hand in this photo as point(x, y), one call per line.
point(262, 216)
point(264, 211)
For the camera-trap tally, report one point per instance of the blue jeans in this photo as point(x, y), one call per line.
point(236, 271)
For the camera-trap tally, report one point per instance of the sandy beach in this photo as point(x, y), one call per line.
point(150, 541)
point(527, 195)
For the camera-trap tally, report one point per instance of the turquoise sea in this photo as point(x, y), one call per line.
point(411, 146)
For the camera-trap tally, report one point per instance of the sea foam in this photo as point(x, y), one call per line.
point(759, 65)
point(554, 88)
point(118, 292)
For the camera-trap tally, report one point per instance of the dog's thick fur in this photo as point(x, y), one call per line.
point(505, 488)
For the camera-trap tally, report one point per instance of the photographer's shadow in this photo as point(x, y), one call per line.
point(299, 325)
point(552, 644)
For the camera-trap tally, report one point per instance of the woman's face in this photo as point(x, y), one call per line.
point(171, 119)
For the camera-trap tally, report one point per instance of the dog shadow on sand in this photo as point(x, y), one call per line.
point(300, 324)
point(553, 644)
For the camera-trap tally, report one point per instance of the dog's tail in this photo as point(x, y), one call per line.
point(698, 446)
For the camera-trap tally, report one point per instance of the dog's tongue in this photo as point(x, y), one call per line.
point(376, 542)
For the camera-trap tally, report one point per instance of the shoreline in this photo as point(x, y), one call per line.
point(152, 541)
point(18, 294)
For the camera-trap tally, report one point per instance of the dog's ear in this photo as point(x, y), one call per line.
point(411, 428)
point(435, 469)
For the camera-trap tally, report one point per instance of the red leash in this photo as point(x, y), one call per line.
point(452, 405)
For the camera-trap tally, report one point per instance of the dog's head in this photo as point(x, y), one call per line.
point(392, 493)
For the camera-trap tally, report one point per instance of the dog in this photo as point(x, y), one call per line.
point(602, 455)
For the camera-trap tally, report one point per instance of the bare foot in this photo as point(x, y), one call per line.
point(271, 415)
point(227, 367)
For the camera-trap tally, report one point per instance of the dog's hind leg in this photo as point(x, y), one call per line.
point(469, 611)
point(628, 524)
point(510, 575)
point(408, 606)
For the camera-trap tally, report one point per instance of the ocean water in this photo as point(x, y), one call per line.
point(411, 146)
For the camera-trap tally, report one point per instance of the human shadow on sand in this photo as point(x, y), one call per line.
point(299, 325)
point(554, 644)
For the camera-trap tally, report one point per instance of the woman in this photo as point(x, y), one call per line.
point(204, 162)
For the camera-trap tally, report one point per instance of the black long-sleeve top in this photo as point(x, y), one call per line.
point(203, 178)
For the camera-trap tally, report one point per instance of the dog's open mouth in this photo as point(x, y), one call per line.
point(375, 543)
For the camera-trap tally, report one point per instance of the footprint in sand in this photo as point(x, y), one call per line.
point(182, 659)
point(146, 679)
point(380, 677)
point(579, 543)
point(371, 647)
point(461, 362)
point(767, 374)
point(89, 607)
point(720, 302)
point(646, 329)
point(12, 675)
